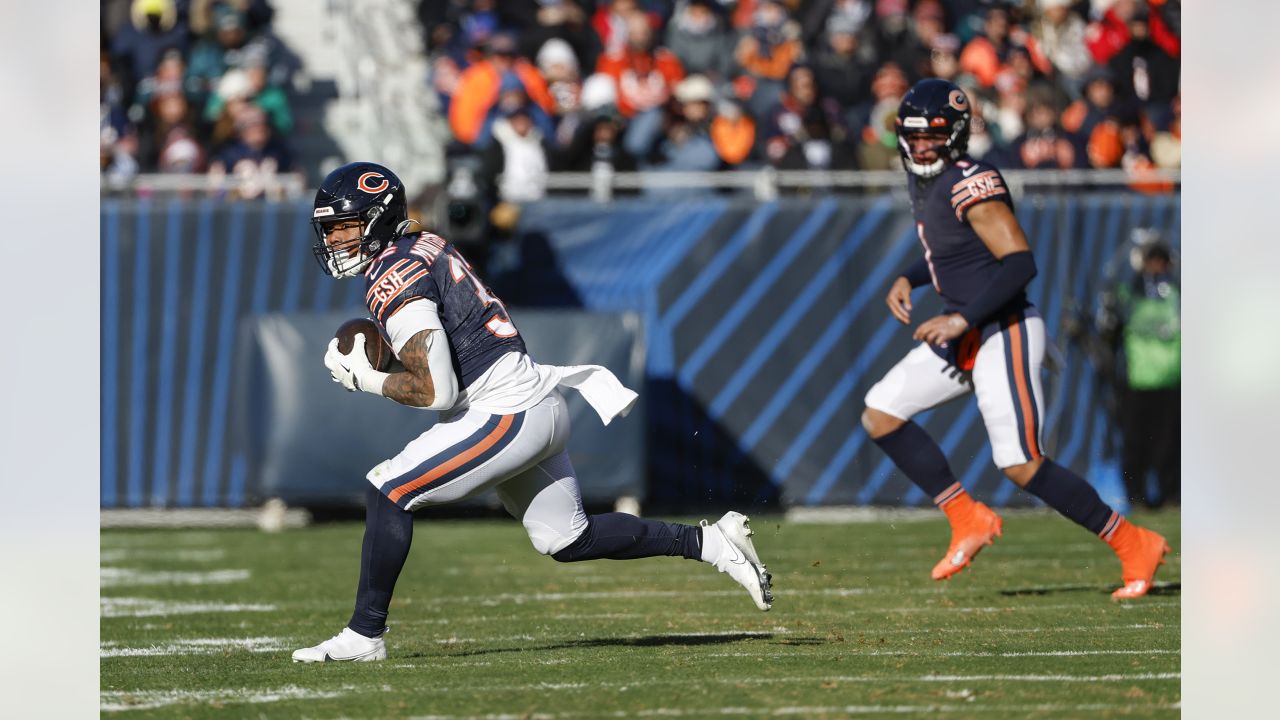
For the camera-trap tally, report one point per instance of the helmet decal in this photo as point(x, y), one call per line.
point(958, 100)
point(364, 183)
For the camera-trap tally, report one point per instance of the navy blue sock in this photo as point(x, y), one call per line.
point(919, 458)
point(388, 533)
point(1071, 495)
point(619, 536)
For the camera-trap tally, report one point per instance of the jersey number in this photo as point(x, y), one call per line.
point(500, 324)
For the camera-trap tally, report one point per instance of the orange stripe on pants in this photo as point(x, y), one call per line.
point(454, 462)
point(1024, 393)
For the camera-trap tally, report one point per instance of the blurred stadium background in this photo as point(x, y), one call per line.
point(702, 193)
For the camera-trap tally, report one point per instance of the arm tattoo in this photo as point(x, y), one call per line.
point(413, 385)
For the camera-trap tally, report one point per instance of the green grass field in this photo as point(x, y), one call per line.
point(201, 624)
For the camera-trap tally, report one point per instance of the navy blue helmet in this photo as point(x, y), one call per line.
point(937, 109)
point(364, 192)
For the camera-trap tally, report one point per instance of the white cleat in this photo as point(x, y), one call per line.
point(737, 557)
point(346, 646)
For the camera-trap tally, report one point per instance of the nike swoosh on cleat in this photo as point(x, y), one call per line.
point(958, 558)
point(737, 558)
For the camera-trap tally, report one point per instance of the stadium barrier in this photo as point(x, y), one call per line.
point(763, 323)
point(191, 414)
point(766, 326)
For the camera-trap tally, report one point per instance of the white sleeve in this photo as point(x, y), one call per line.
point(412, 319)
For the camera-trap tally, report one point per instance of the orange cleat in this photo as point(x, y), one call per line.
point(972, 528)
point(1141, 551)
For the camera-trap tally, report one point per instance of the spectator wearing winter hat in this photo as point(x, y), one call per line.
point(878, 145)
point(1009, 116)
point(559, 67)
point(944, 57)
point(597, 143)
point(588, 98)
point(516, 162)
point(154, 27)
point(169, 117)
point(210, 58)
point(1098, 104)
point(612, 24)
point(816, 17)
point(254, 157)
point(766, 54)
point(804, 131)
point(912, 51)
point(250, 83)
point(685, 142)
point(479, 86)
point(540, 21)
point(984, 56)
point(697, 35)
point(170, 73)
point(1058, 39)
point(1145, 71)
point(257, 14)
point(645, 73)
point(512, 96)
point(1044, 145)
point(844, 67)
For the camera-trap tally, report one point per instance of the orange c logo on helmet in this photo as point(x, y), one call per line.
point(958, 100)
point(364, 183)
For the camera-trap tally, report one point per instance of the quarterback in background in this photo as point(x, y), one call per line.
point(503, 422)
point(989, 340)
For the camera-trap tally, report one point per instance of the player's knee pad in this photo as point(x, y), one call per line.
point(549, 540)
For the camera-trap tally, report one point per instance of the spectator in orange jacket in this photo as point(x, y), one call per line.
point(985, 55)
point(645, 75)
point(477, 89)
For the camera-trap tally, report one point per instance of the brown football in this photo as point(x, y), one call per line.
point(376, 347)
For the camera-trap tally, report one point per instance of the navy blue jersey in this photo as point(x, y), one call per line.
point(427, 266)
point(959, 261)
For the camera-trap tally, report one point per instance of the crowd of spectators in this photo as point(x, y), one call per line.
point(194, 86)
point(535, 86)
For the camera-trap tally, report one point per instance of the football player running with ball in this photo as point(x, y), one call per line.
point(503, 422)
point(989, 340)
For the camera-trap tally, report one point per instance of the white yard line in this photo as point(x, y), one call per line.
point(114, 607)
point(194, 646)
point(455, 640)
point(115, 555)
point(158, 540)
point(110, 577)
point(473, 620)
point(855, 652)
point(523, 598)
point(811, 710)
point(804, 679)
point(118, 701)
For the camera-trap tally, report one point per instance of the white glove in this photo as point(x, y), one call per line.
point(353, 370)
